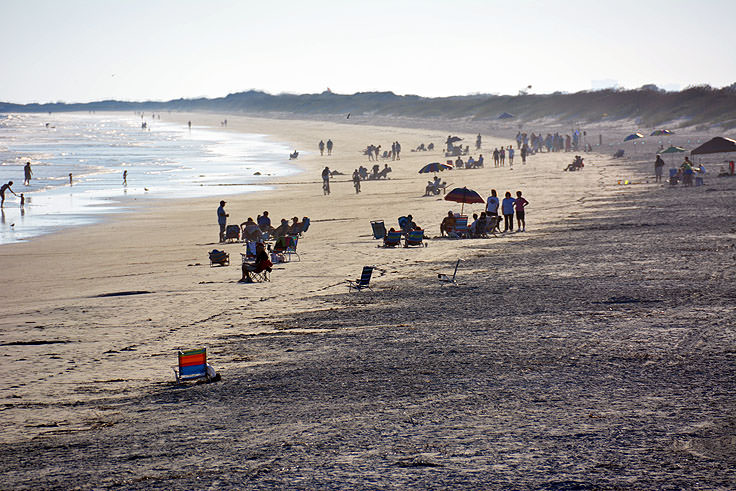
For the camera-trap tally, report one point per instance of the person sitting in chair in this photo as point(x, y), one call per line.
point(283, 229)
point(262, 263)
point(250, 230)
point(448, 224)
point(296, 226)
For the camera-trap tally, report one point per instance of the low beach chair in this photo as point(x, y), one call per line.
point(449, 279)
point(192, 365)
point(232, 232)
point(392, 239)
point(379, 229)
point(415, 238)
point(364, 280)
point(461, 226)
point(219, 257)
point(291, 243)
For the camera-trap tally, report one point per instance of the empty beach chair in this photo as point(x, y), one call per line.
point(219, 257)
point(392, 238)
point(449, 279)
point(232, 232)
point(192, 365)
point(415, 238)
point(364, 280)
point(379, 229)
point(461, 226)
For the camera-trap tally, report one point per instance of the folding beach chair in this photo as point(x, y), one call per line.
point(379, 229)
point(192, 365)
point(449, 279)
point(461, 226)
point(232, 232)
point(291, 243)
point(219, 257)
point(258, 275)
point(363, 281)
point(415, 238)
point(392, 239)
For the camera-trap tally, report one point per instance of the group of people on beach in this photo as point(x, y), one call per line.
point(322, 145)
point(550, 143)
point(27, 175)
point(489, 221)
point(374, 152)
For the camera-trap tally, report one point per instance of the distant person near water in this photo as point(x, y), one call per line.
point(70, 179)
point(222, 220)
point(329, 147)
point(326, 181)
point(321, 146)
point(125, 177)
point(5, 187)
point(27, 173)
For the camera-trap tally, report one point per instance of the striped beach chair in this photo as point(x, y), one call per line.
point(415, 238)
point(461, 226)
point(392, 239)
point(192, 365)
point(364, 280)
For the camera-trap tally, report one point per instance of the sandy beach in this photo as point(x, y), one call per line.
point(593, 351)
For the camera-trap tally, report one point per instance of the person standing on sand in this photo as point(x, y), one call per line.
point(495, 157)
point(398, 151)
point(523, 154)
point(125, 177)
point(507, 206)
point(329, 147)
point(511, 155)
point(222, 220)
point(492, 204)
point(502, 156)
point(321, 148)
point(658, 166)
point(70, 178)
point(393, 151)
point(28, 174)
point(519, 205)
point(5, 187)
point(326, 181)
point(356, 181)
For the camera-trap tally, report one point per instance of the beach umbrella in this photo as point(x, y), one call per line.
point(454, 139)
point(661, 133)
point(464, 195)
point(505, 116)
point(633, 136)
point(434, 167)
point(673, 150)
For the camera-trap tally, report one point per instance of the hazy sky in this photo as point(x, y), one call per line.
point(76, 50)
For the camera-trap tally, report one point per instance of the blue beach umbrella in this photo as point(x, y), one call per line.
point(434, 167)
point(633, 136)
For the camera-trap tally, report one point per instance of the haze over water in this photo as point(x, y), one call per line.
point(165, 160)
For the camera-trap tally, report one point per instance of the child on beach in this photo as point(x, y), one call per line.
point(22, 200)
point(507, 206)
point(519, 204)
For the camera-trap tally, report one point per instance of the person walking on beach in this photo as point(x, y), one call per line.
point(356, 181)
point(658, 167)
point(507, 206)
point(28, 173)
point(321, 148)
point(511, 155)
point(222, 220)
point(502, 156)
point(495, 157)
point(70, 178)
point(519, 205)
point(523, 154)
point(478, 142)
point(398, 151)
point(5, 187)
point(329, 147)
point(326, 181)
point(125, 177)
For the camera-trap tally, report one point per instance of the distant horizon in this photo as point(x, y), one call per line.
point(328, 90)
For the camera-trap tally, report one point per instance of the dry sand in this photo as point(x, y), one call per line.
point(595, 350)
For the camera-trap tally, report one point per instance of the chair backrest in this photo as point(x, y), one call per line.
point(379, 229)
point(393, 238)
point(305, 224)
point(461, 224)
point(365, 276)
point(415, 236)
point(193, 363)
point(291, 242)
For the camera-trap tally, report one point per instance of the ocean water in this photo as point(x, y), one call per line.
point(165, 160)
